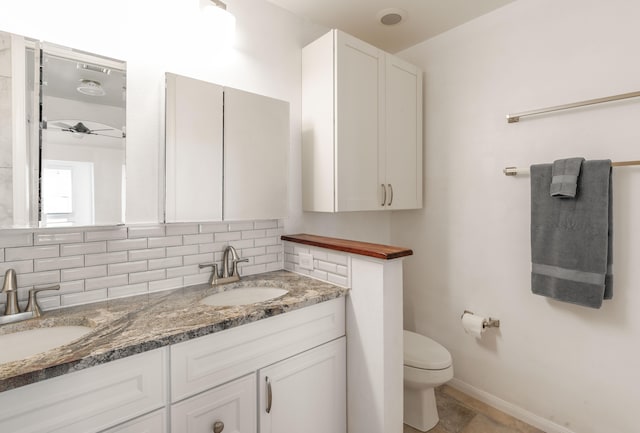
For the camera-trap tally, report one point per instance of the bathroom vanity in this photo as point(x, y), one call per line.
point(210, 368)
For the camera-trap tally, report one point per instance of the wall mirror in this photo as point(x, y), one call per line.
point(62, 135)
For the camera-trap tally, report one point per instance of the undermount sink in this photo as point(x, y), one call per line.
point(20, 345)
point(244, 296)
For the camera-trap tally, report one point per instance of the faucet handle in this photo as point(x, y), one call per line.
point(32, 304)
point(214, 278)
point(234, 270)
point(10, 281)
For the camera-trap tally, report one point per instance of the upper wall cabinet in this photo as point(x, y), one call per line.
point(361, 127)
point(226, 153)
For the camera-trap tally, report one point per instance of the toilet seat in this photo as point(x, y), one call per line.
point(424, 353)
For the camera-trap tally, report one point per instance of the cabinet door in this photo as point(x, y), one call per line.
point(193, 150)
point(402, 173)
point(305, 393)
point(359, 87)
point(256, 148)
point(231, 406)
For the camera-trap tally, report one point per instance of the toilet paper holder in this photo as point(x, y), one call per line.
point(487, 323)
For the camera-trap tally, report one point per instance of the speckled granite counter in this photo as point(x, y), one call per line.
point(128, 326)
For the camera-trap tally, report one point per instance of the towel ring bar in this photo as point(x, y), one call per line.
point(514, 171)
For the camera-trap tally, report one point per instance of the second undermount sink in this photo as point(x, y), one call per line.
point(244, 296)
point(20, 345)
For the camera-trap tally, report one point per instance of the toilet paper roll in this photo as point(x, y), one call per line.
point(473, 325)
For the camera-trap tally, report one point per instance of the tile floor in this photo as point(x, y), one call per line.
point(460, 413)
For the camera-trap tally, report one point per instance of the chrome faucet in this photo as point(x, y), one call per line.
point(12, 308)
point(229, 274)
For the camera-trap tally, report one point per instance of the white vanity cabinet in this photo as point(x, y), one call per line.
point(90, 400)
point(155, 422)
point(226, 153)
point(362, 127)
point(213, 378)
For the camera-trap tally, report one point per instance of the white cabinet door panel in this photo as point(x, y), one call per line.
point(232, 404)
point(256, 145)
point(403, 115)
point(305, 393)
point(152, 423)
point(193, 150)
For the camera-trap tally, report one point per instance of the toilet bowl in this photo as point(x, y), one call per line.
point(427, 364)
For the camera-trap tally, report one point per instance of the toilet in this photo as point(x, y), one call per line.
point(427, 364)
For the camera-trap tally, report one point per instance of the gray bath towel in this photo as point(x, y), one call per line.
point(571, 239)
point(564, 180)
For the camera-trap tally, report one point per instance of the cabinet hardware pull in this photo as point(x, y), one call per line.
point(218, 426)
point(269, 395)
point(390, 198)
point(384, 194)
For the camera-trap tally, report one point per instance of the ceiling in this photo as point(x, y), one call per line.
point(422, 19)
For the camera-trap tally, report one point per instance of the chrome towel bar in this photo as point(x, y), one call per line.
point(513, 118)
point(513, 171)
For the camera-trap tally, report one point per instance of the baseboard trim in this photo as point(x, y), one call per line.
point(509, 408)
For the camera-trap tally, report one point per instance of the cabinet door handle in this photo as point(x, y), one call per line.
point(269, 395)
point(390, 198)
point(384, 194)
point(218, 426)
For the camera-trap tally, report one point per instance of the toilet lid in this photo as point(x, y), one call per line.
point(422, 352)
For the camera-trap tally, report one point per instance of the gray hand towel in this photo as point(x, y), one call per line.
point(571, 239)
point(564, 180)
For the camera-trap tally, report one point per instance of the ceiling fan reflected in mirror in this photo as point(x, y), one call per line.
point(80, 129)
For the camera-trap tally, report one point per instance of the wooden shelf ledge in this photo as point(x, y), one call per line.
point(379, 251)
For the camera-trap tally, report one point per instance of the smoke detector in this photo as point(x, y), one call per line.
point(391, 16)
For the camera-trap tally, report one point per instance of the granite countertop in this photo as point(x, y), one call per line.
point(128, 326)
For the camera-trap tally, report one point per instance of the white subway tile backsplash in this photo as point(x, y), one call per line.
point(337, 279)
point(338, 259)
point(181, 229)
point(21, 267)
point(127, 290)
point(105, 258)
point(26, 253)
point(146, 254)
point(99, 263)
point(145, 231)
point(169, 241)
point(342, 270)
point(318, 254)
point(214, 227)
point(127, 244)
point(326, 266)
point(198, 239)
point(140, 277)
point(240, 226)
point(127, 267)
point(230, 236)
point(173, 283)
point(196, 259)
point(190, 280)
point(169, 262)
point(106, 282)
point(182, 251)
point(183, 270)
point(84, 273)
point(106, 235)
point(36, 278)
point(84, 248)
point(83, 297)
point(57, 238)
point(265, 224)
point(329, 265)
point(58, 263)
point(10, 238)
point(252, 234)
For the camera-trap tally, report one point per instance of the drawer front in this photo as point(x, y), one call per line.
point(232, 406)
point(88, 400)
point(206, 362)
point(155, 422)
